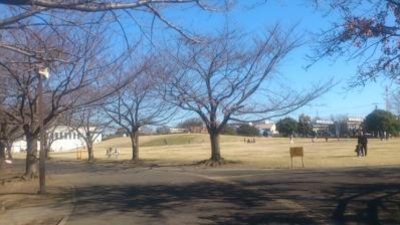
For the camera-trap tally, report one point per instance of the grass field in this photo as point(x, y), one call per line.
point(265, 153)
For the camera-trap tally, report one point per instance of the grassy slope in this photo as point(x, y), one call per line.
point(265, 153)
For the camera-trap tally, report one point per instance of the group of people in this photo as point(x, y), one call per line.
point(112, 152)
point(362, 144)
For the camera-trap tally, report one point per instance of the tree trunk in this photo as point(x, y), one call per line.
point(135, 145)
point(215, 148)
point(2, 155)
point(9, 153)
point(46, 146)
point(31, 155)
point(89, 146)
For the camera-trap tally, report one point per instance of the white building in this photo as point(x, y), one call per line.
point(62, 138)
point(267, 126)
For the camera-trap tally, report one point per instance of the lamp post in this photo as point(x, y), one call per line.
point(42, 154)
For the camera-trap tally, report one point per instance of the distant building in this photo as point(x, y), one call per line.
point(354, 123)
point(176, 130)
point(266, 127)
point(323, 127)
point(61, 138)
point(344, 128)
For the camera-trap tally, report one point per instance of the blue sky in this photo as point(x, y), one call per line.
point(339, 101)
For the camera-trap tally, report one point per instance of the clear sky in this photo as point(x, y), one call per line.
point(289, 13)
point(339, 101)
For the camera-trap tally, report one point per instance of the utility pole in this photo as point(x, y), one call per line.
point(42, 154)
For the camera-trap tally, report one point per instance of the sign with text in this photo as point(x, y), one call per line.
point(296, 152)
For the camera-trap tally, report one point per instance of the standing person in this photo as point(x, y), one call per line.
point(362, 142)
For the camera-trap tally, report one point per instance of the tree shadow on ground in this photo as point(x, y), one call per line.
point(373, 204)
point(207, 202)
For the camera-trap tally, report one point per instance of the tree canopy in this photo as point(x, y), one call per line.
point(304, 125)
point(229, 76)
point(287, 126)
point(382, 121)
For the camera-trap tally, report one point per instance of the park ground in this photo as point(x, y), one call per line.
point(256, 187)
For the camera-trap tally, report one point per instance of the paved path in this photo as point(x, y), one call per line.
point(119, 194)
point(238, 196)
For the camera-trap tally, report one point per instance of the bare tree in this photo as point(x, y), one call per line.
point(89, 123)
point(138, 104)
point(9, 133)
point(118, 12)
point(367, 32)
point(77, 61)
point(9, 130)
point(230, 77)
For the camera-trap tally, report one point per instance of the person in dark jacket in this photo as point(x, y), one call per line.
point(362, 142)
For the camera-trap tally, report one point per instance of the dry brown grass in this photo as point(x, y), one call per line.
point(265, 153)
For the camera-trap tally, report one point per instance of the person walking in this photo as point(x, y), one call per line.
point(362, 142)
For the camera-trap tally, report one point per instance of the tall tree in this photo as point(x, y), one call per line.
point(194, 125)
point(74, 61)
point(368, 31)
point(382, 121)
point(228, 77)
point(287, 126)
point(304, 125)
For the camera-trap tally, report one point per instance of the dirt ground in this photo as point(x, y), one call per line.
point(119, 192)
point(167, 187)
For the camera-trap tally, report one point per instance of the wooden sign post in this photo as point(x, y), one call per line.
point(296, 152)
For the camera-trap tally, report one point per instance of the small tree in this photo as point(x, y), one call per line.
point(193, 125)
point(287, 126)
point(89, 123)
point(162, 130)
point(248, 130)
point(138, 104)
point(229, 130)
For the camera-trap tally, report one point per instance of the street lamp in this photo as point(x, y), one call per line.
point(42, 156)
